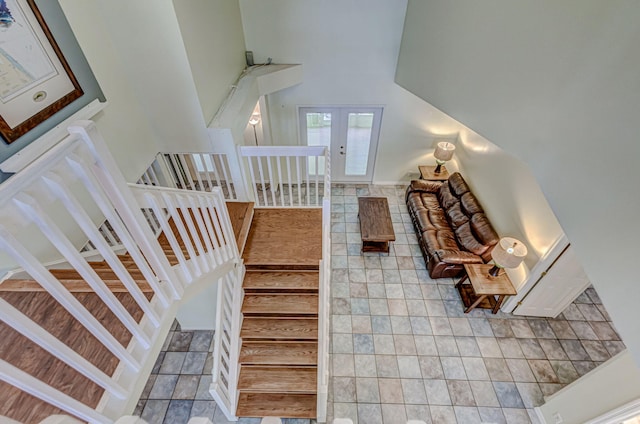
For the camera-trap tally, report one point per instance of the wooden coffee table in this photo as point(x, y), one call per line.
point(483, 288)
point(375, 224)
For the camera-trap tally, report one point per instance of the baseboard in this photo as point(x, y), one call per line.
point(538, 412)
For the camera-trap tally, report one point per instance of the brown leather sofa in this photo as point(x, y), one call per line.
point(451, 225)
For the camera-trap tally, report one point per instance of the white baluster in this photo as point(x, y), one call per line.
point(132, 245)
point(84, 221)
point(39, 273)
point(31, 209)
point(184, 235)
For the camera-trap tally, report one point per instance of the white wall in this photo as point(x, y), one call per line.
point(607, 387)
point(556, 84)
point(139, 59)
point(152, 64)
point(213, 37)
point(349, 52)
point(124, 124)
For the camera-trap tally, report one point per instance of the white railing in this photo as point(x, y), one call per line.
point(324, 302)
point(201, 238)
point(59, 204)
point(227, 342)
point(192, 171)
point(198, 230)
point(286, 176)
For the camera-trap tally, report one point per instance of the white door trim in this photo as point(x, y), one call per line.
point(339, 114)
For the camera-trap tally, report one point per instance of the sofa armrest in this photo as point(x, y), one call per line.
point(425, 186)
point(457, 257)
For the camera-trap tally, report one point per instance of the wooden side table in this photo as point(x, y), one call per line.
point(426, 173)
point(482, 288)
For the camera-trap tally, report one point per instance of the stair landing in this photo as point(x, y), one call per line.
point(284, 239)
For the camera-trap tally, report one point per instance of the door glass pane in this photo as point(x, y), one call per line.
point(358, 141)
point(318, 134)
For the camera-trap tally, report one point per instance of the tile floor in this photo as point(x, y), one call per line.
point(402, 348)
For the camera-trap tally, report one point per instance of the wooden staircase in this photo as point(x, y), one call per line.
point(279, 352)
point(32, 300)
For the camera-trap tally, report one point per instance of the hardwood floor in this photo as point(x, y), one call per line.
point(283, 282)
point(30, 298)
point(241, 214)
point(284, 239)
point(279, 352)
point(280, 304)
point(28, 356)
point(280, 331)
point(277, 405)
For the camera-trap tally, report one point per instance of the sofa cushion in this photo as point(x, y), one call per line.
point(430, 201)
point(458, 185)
point(483, 229)
point(438, 219)
point(427, 214)
point(456, 216)
point(470, 204)
point(485, 233)
point(423, 186)
point(468, 240)
point(414, 202)
point(457, 257)
point(446, 198)
point(443, 239)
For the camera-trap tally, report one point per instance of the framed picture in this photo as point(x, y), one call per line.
point(35, 78)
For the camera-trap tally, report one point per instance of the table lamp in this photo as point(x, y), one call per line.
point(508, 253)
point(443, 153)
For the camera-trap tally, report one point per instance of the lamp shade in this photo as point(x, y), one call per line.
point(509, 252)
point(444, 151)
point(255, 119)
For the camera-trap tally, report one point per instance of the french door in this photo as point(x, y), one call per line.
point(351, 133)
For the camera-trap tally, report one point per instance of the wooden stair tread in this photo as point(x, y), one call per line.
point(105, 274)
point(285, 405)
point(279, 353)
point(281, 280)
point(280, 303)
point(268, 328)
point(278, 379)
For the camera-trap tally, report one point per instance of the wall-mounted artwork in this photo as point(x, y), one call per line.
point(35, 79)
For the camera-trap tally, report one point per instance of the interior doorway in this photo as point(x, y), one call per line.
point(351, 133)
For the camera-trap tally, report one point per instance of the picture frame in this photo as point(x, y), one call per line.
point(35, 78)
